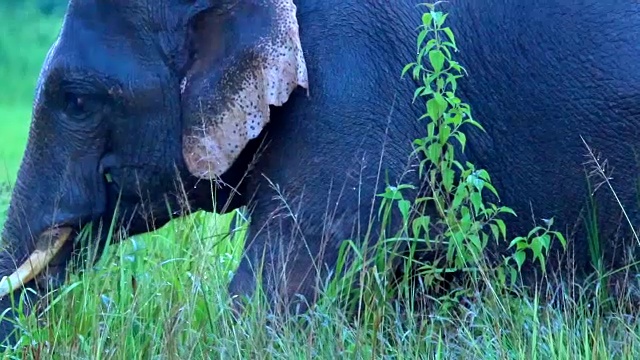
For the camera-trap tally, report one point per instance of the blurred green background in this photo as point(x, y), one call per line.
point(27, 30)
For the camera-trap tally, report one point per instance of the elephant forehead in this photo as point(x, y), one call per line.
point(136, 8)
point(131, 19)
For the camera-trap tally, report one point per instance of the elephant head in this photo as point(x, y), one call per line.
point(133, 96)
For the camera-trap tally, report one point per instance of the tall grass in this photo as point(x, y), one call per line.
point(164, 296)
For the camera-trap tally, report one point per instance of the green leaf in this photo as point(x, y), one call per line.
point(434, 150)
point(514, 275)
point(515, 241)
point(446, 51)
point(406, 186)
point(417, 93)
point(452, 79)
point(476, 200)
point(431, 130)
point(426, 19)
point(475, 241)
point(391, 193)
point(416, 72)
point(484, 175)
point(501, 276)
point(476, 124)
point(421, 37)
point(434, 109)
point(442, 102)
point(493, 190)
point(459, 197)
point(445, 132)
point(561, 238)
point(426, 91)
point(475, 181)
point(534, 231)
point(436, 15)
point(406, 68)
point(447, 178)
point(545, 241)
point(450, 35)
point(495, 231)
point(485, 240)
point(436, 57)
point(440, 20)
point(430, 45)
point(421, 223)
point(536, 248)
point(508, 210)
point(404, 206)
point(462, 139)
point(519, 257)
point(502, 226)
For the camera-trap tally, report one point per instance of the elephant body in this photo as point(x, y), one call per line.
point(143, 90)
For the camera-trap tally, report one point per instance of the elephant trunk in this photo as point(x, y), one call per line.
point(29, 243)
point(32, 236)
point(56, 193)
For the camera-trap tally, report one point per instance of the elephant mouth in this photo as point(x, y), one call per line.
point(48, 245)
point(55, 245)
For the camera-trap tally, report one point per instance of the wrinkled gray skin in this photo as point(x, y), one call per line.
point(109, 99)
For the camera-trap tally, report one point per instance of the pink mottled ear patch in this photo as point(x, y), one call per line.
point(238, 108)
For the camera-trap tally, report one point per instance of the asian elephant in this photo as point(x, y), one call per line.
point(263, 100)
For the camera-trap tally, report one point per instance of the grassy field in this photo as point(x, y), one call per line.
point(163, 295)
point(14, 127)
point(22, 52)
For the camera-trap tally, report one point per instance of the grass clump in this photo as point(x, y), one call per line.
point(164, 295)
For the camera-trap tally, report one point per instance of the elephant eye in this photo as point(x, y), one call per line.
point(80, 106)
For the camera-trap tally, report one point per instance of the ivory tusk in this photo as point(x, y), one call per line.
point(45, 251)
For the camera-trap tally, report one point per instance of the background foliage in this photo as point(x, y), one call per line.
point(27, 30)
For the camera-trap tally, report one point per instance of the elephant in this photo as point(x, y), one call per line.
point(296, 110)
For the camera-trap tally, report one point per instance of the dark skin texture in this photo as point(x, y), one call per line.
point(540, 75)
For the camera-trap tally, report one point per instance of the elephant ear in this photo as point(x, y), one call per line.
point(245, 57)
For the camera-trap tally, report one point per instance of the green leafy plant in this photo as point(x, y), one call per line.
point(538, 242)
point(457, 190)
